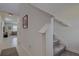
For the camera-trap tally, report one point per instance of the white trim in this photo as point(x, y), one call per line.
point(21, 48)
point(49, 39)
point(27, 51)
point(43, 29)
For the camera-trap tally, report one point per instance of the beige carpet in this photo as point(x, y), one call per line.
point(69, 53)
point(9, 52)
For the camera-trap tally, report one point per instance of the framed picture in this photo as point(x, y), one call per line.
point(25, 22)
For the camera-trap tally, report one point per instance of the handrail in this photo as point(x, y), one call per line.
point(62, 23)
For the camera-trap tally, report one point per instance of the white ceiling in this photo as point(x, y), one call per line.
point(11, 19)
point(48, 7)
point(9, 7)
point(51, 8)
point(54, 8)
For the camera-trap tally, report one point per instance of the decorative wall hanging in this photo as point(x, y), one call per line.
point(25, 22)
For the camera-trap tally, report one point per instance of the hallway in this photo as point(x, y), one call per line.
point(31, 20)
point(10, 41)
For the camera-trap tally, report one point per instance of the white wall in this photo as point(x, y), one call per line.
point(1, 36)
point(52, 8)
point(30, 39)
point(69, 35)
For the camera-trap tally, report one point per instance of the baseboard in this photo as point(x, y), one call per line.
point(25, 51)
point(28, 52)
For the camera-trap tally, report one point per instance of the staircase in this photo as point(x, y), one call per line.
point(58, 48)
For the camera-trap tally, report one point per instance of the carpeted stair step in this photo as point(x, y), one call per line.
point(58, 49)
point(56, 42)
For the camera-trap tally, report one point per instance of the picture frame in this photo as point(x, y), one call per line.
point(25, 22)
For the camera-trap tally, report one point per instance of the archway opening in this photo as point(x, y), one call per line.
point(9, 26)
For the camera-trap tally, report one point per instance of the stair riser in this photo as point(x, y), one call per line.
point(56, 43)
point(60, 52)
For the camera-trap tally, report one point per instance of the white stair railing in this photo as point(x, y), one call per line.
point(62, 22)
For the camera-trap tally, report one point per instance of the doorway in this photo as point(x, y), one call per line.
point(9, 29)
